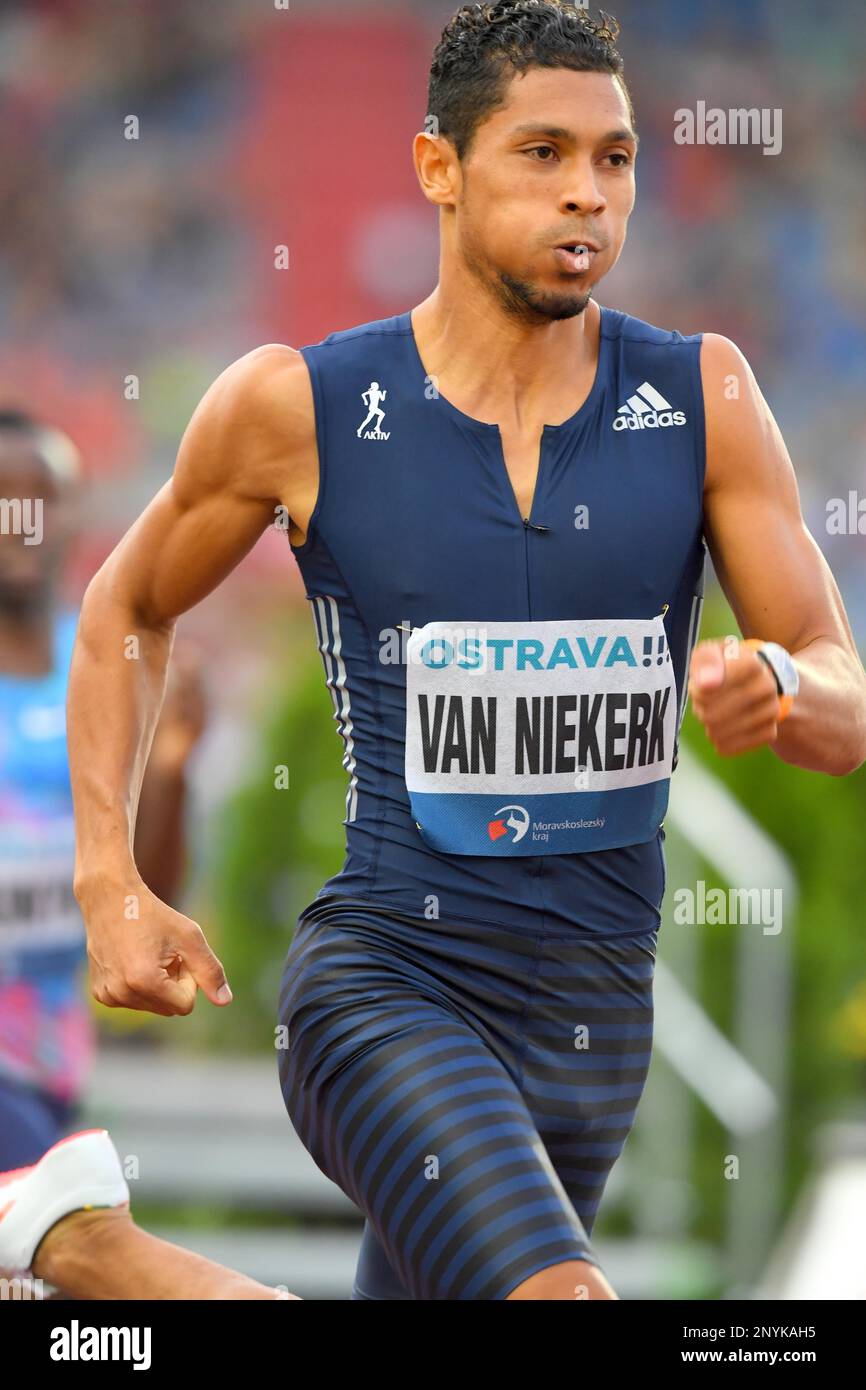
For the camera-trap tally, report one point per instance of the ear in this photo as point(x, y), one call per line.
point(437, 167)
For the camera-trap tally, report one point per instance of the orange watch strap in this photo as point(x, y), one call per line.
point(786, 702)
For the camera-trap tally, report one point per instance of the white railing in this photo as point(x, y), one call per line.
point(743, 1080)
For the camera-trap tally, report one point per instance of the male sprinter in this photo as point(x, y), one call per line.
point(505, 578)
point(46, 1028)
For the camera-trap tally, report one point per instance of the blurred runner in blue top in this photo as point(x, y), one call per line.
point(46, 1024)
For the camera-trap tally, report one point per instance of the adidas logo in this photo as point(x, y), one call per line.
point(647, 409)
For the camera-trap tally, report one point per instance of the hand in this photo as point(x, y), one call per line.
point(182, 718)
point(734, 695)
point(153, 961)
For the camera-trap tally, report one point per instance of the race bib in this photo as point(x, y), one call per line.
point(539, 737)
point(38, 910)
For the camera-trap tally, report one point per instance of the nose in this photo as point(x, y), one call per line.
point(581, 192)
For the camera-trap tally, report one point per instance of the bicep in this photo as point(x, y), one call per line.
point(222, 495)
point(769, 565)
point(177, 551)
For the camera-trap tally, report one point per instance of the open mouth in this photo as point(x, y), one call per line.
point(575, 256)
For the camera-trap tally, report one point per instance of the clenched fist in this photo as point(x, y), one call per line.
point(144, 955)
point(733, 693)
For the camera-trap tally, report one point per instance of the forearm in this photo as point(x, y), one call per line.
point(826, 729)
point(116, 686)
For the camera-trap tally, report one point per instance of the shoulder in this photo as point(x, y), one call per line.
point(722, 359)
point(731, 392)
point(617, 324)
point(269, 385)
point(254, 423)
point(742, 435)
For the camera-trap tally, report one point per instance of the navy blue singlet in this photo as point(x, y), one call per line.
point(468, 1003)
point(509, 690)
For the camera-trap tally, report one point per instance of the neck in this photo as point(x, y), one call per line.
point(26, 643)
point(504, 370)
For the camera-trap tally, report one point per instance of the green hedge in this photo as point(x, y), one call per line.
point(274, 848)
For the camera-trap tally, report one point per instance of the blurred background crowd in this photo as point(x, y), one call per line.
point(133, 270)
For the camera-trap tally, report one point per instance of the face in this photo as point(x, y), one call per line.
point(35, 523)
point(552, 167)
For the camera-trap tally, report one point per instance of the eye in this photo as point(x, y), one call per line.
point(536, 149)
point(618, 154)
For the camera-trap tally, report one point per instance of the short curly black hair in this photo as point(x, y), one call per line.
point(484, 45)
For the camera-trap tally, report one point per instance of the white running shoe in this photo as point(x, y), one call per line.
point(78, 1173)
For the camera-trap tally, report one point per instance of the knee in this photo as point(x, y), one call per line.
point(576, 1280)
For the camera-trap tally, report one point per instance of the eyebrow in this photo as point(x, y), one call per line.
point(556, 132)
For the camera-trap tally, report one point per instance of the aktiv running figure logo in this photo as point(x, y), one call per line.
point(371, 398)
point(647, 409)
point(518, 823)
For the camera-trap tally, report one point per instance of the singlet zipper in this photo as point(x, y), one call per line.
point(527, 526)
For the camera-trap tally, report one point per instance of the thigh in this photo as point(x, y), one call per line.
point(589, 1034)
point(406, 1107)
point(374, 1276)
point(30, 1122)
